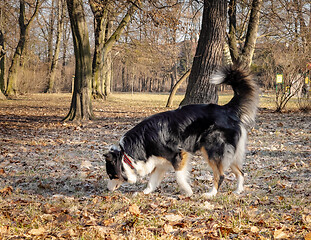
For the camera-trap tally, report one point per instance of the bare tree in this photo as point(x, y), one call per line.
point(175, 88)
point(208, 55)
point(244, 55)
point(55, 58)
point(2, 57)
point(24, 31)
point(81, 103)
point(104, 42)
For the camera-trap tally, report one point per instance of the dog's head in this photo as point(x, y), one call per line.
point(114, 168)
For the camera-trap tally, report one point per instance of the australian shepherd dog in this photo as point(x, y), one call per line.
point(167, 140)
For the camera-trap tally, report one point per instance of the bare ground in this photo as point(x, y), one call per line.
point(53, 180)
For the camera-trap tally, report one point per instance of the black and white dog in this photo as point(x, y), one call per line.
point(167, 140)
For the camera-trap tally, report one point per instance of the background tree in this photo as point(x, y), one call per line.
point(2, 56)
point(55, 57)
point(104, 41)
point(208, 55)
point(81, 103)
point(245, 54)
point(24, 32)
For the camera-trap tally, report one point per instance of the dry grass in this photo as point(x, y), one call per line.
point(53, 180)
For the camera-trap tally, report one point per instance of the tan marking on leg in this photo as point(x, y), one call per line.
point(204, 153)
point(184, 160)
point(239, 176)
point(216, 168)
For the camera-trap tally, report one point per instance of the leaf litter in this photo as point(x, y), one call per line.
point(53, 180)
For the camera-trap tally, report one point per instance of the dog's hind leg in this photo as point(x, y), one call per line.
point(155, 179)
point(182, 174)
point(239, 155)
point(239, 176)
point(218, 174)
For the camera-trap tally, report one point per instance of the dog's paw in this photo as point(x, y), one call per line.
point(210, 194)
point(237, 191)
point(148, 190)
point(188, 193)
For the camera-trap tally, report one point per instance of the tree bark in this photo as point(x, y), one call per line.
point(24, 30)
point(2, 59)
point(54, 61)
point(251, 35)
point(81, 103)
point(246, 55)
point(100, 12)
point(232, 41)
point(208, 55)
point(175, 88)
point(50, 34)
point(111, 41)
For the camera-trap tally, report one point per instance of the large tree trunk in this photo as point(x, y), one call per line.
point(81, 104)
point(55, 57)
point(208, 55)
point(24, 30)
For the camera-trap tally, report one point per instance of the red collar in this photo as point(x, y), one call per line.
point(127, 160)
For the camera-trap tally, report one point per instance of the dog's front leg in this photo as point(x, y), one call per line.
point(155, 179)
point(182, 180)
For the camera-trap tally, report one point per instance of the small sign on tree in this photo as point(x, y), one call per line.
point(279, 79)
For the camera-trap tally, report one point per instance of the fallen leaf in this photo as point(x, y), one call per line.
point(208, 206)
point(168, 228)
point(226, 230)
point(306, 218)
point(134, 209)
point(6, 191)
point(4, 229)
point(308, 236)
point(38, 231)
point(173, 217)
point(254, 229)
point(67, 233)
point(279, 234)
point(108, 222)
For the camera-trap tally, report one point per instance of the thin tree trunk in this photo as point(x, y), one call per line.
point(208, 55)
point(112, 40)
point(51, 32)
point(251, 35)
point(66, 35)
point(2, 61)
point(81, 103)
point(246, 55)
point(24, 30)
point(233, 46)
point(107, 75)
point(54, 62)
point(104, 44)
point(175, 88)
point(100, 13)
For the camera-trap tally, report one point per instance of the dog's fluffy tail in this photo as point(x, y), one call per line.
point(245, 99)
